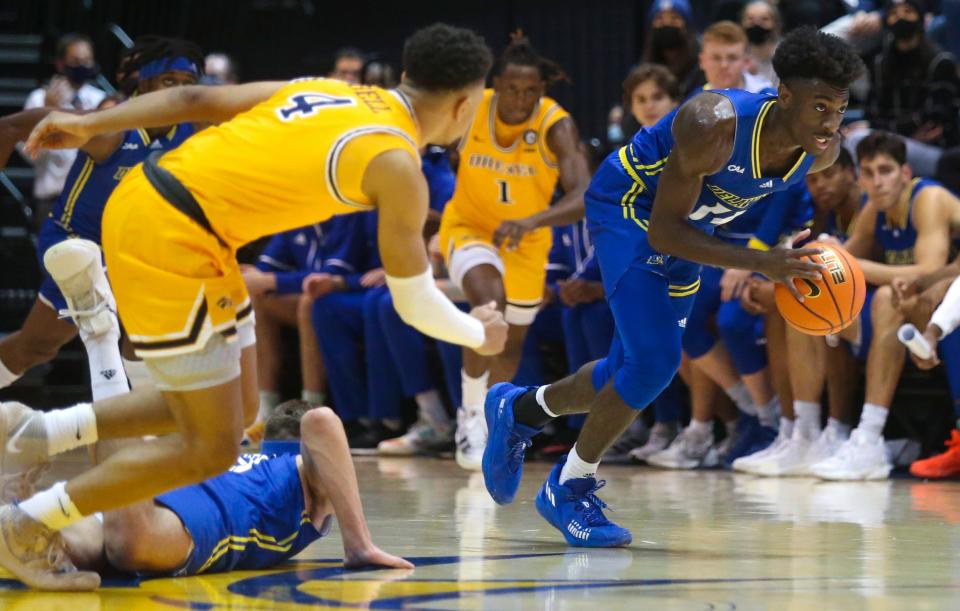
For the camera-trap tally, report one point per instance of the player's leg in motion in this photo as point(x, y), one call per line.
point(38, 341)
point(643, 359)
point(482, 282)
point(863, 455)
point(273, 312)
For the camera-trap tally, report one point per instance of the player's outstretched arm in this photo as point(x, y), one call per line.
point(332, 479)
point(564, 140)
point(16, 127)
point(394, 182)
point(703, 131)
point(195, 103)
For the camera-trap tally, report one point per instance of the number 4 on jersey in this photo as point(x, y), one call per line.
point(308, 103)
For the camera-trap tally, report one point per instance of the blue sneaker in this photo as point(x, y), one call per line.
point(507, 441)
point(574, 509)
point(751, 438)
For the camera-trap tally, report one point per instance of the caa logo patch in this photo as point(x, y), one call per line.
point(735, 168)
point(530, 137)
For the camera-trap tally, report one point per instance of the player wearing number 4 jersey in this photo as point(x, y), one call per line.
point(285, 155)
point(495, 232)
point(651, 209)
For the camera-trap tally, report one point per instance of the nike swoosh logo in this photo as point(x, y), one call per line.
point(12, 442)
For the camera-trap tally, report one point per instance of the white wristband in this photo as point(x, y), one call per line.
point(421, 305)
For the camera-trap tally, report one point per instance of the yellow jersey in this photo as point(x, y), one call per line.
point(506, 171)
point(277, 166)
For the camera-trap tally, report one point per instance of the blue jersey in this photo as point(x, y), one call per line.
point(89, 184)
point(725, 194)
point(897, 239)
point(338, 246)
point(251, 517)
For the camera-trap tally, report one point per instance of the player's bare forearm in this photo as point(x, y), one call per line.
point(879, 274)
point(16, 127)
point(680, 239)
point(194, 103)
point(564, 140)
point(567, 210)
point(951, 270)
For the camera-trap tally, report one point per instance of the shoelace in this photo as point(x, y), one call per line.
point(66, 313)
point(593, 515)
point(517, 452)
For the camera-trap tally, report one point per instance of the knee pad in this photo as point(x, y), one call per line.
point(464, 259)
point(218, 362)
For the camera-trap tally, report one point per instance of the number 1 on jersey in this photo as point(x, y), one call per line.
point(504, 192)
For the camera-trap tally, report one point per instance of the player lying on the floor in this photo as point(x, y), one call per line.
point(260, 513)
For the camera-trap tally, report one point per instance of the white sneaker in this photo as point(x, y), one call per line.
point(826, 445)
point(790, 459)
point(661, 435)
point(23, 438)
point(859, 458)
point(76, 266)
point(471, 438)
point(422, 437)
point(688, 451)
point(745, 464)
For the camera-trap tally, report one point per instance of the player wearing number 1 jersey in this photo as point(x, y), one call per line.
point(284, 155)
point(495, 232)
point(651, 209)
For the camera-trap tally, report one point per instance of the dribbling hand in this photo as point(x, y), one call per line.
point(784, 263)
point(494, 329)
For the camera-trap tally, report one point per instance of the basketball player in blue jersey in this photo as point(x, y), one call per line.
point(153, 63)
point(263, 511)
point(652, 208)
point(913, 223)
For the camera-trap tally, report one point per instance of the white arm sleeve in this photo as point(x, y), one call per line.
point(421, 305)
point(947, 315)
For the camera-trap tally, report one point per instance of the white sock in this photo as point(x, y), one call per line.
point(576, 467)
point(107, 376)
point(700, 429)
point(7, 377)
point(786, 427)
point(769, 414)
point(137, 374)
point(474, 389)
point(872, 419)
point(841, 429)
point(431, 409)
point(269, 399)
point(70, 428)
point(808, 418)
point(542, 401)
point(741, 397)
point(313, 397)
point(52, 507)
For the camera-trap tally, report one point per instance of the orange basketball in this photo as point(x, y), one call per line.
point(830, 304)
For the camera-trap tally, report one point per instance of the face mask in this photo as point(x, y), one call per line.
point(668, 37)
point(904, 30)
point(757, 34)
point(79, 75)
point(614, 133)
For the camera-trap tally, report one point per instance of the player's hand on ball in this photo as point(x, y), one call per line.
point(784, 263)
point(58, 130)
point(494, 329)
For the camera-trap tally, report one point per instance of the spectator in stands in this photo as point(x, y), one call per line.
point(379, 73)
point(69, 88)
point(723, 60)
point(915, 88)
point(318, 257)
point(347, 65)
point(761, 22)
point(671, 40)
point(220, 69)
point(861, 27)
point(944, 27)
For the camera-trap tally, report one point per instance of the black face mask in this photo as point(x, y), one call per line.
point(757, 34)
point(668, 37)
point(905, 30)
point(79, 75)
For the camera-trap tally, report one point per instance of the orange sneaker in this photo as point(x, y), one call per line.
point(941, 465)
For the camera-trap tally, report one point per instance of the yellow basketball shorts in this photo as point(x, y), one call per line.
point(524, 269)
point(175, 284)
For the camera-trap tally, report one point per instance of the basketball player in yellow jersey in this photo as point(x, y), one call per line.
point(495, 232)
point(285, 156)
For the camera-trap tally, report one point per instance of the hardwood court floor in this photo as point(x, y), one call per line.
point(706, 540)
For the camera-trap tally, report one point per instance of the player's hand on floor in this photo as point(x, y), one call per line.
point(58, 130)
point(374, 556)
point(494, 329)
